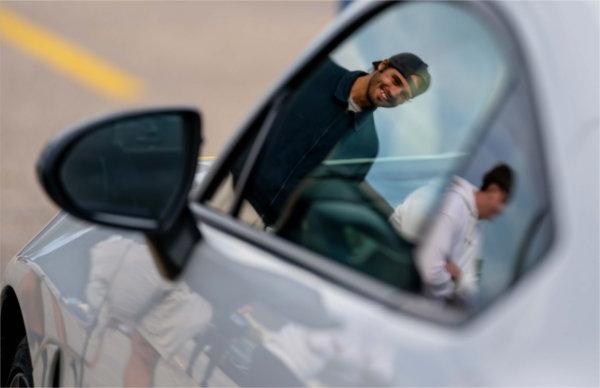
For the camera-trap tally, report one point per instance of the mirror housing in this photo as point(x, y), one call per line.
point(130, 170)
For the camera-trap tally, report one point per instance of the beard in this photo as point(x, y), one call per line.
point(371, 87)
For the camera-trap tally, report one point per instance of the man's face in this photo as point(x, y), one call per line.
point(493, 203)
point(388, 88)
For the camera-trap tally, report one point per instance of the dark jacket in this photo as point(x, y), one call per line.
point(313, 125)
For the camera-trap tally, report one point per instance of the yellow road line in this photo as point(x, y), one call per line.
point(67, 58)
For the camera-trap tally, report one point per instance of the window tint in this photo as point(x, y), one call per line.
point(379, 165)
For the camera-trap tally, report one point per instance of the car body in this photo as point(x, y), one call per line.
point(114, 301)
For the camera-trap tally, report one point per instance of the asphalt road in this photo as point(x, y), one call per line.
point(59, 60)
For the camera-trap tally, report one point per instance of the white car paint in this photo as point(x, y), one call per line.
point(544, 331)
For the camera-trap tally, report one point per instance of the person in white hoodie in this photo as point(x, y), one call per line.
point(447, 256)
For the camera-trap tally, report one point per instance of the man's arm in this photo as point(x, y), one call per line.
point(433, 257)
point(453, 270)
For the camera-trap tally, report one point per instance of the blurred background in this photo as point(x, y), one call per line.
point(63, 62)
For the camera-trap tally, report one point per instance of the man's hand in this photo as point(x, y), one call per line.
point(453, 270)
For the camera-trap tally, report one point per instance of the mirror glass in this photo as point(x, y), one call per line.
point(132, 166)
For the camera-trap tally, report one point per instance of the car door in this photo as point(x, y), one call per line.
point(324, 290)
point(62, 299)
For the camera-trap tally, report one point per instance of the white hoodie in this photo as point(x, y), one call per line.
point(453, 235)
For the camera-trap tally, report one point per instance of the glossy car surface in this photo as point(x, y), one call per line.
point(102, 305)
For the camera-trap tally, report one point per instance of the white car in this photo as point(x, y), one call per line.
point(158, 274)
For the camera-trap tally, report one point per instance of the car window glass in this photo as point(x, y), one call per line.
point(377, 177)
point(519, 237)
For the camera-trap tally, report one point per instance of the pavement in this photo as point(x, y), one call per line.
point(63, 62)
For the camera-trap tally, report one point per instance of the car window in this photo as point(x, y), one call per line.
point(385, 166)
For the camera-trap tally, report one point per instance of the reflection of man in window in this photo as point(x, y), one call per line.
point(334, 105)
point(447, 257)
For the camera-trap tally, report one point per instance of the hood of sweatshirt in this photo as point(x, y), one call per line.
point(466, 191)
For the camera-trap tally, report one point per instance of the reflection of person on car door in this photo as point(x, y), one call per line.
point(448, 256)
point(151, 311)
point(333, 108)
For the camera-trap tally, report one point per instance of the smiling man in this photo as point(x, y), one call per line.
point(392, 82)
point(329, 116)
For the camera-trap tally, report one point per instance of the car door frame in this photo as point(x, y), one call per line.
point(322, 266)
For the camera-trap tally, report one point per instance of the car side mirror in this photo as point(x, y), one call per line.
point(131, 170)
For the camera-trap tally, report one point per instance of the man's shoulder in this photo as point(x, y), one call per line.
point(455, 205)
point(326, 77)
point(328, 68)
point(331, 65)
